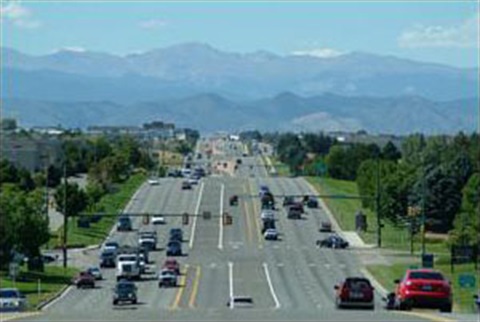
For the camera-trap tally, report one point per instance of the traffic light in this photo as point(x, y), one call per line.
point(185, 219)
point(207, 215)
point(227, 219)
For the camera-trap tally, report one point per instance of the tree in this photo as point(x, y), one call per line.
point(367, 178)
point(390, 152)
point(76, 199)
point(8, 172)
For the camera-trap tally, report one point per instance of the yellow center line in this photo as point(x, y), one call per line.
point(181, 289)
point(247, 218)
point(256, 210)
point(193, 295)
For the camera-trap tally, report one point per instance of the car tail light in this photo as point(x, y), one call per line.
point(344, 293)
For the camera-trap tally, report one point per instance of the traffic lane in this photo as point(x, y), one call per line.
point(238, 235)
point(101, 296)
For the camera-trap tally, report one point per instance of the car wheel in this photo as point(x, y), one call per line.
point(447, 308)
point(134, 301)
point(115, 302)
point(405, 305)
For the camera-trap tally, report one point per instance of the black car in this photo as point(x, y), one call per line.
point(333, 241)
point(174, 248)
point(268, 224)
point(125, 291)
point(186, 185)
point(288, 201)
point(124, 223)
point(234, 200)
point(176, 234)
point(312, 202)
point(107, 259)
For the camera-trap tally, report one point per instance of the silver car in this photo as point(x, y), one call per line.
point(11, 300)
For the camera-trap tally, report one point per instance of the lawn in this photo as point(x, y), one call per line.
point(37, 286)
point(344, 211)
point(463, 298)
point(110, 203)
point(282, 169)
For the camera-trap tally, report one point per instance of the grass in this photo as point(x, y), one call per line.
point(463, 297)
point(110, 203)
point(344, 211)
point(51, 282)
point(169, 158)
point(282, 169)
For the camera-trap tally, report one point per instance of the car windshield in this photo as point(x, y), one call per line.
point(125, 287)
point(426, 276)
point(8, 294)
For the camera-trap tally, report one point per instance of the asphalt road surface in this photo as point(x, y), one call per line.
point(289, 280)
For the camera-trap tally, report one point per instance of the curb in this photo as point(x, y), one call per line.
point(59, 294)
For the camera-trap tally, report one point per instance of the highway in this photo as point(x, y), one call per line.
point(290, 279)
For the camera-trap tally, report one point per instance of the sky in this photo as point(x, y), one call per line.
point(444, 32)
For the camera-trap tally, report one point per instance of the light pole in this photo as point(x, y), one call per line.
point(377, 204)
point(65, 218)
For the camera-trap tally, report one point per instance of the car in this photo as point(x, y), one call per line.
point(172, 265)
point(124, 291)
point(476, 299)
point(288, 201)
point(271, 234)
point(267, 201)
point(267, 224)
point(312, 202)
point(240, 302)
point(124, 223)
point(49, 258)
point(423, 288)
point(294, 211)
point(107, 259)
point(263, 190)
point(233, 200)
point(267, 214)
point(333, 241)
point(186, 185)
point(83, 280)
point(174, 248)
point(12, 300)
point(355, 292)
point(153, 182)
point(167, 278)
point(158, 220)
point(95, 272)
point(111, 245)
point(176, 234)
point(325, 227)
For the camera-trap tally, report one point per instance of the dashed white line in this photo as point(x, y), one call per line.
point(270, 285)
point(230, 283)
point(220, 234)
point(197, 209)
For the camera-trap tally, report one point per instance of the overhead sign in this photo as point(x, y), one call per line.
point(467, 281)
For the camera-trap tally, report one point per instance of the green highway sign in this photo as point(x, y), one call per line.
point(467, 281)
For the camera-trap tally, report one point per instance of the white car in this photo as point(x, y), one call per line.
point(153, 182)
point(95, 272)
point(271, 234)
point(267, 214)
point(12, 300)
point(158, 220)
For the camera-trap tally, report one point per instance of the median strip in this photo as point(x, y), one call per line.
point(197, 209)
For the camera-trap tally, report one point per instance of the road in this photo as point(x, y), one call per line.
point(288, 280)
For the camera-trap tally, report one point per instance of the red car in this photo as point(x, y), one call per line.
point(84, 280)
point(172, 265)
point(355, 292)
point(423, 288)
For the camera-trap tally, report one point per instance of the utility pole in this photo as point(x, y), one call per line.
point(65, 218)
point(424, 195)
point(377, 205)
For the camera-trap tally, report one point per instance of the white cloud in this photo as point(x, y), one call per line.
point(18, 15)
point(463, 35)
point(319, 53)
point(153, 24)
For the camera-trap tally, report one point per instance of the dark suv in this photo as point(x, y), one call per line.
point(125, 291)
point(107, 259)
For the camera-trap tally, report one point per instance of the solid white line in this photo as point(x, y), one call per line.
point(270, 285)
point(197, 209)
point(220, 235)
point(230, 282)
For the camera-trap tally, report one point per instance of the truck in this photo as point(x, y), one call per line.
point(128, 267)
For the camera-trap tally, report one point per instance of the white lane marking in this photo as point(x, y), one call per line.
point(270, 285)
point(197, 209)
point(230, 283)
point(69, 288)
point(280, 264)
point(220, 234)
point(327, 266)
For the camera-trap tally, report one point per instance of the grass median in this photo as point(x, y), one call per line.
point(282, 169)
point(344, 211)
point(96, 233)
point(39, 286)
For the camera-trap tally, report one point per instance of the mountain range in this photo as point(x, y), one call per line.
point(195, 68)
point(195, 85)
point(285, 111)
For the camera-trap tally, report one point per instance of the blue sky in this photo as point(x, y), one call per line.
point(444, 32)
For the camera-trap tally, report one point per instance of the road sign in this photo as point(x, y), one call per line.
point(185, 219)
point(467, 281)
point(207, 215)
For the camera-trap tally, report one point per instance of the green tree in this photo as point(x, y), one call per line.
point(367, 178)
point(390, 152)
point(76, 199)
